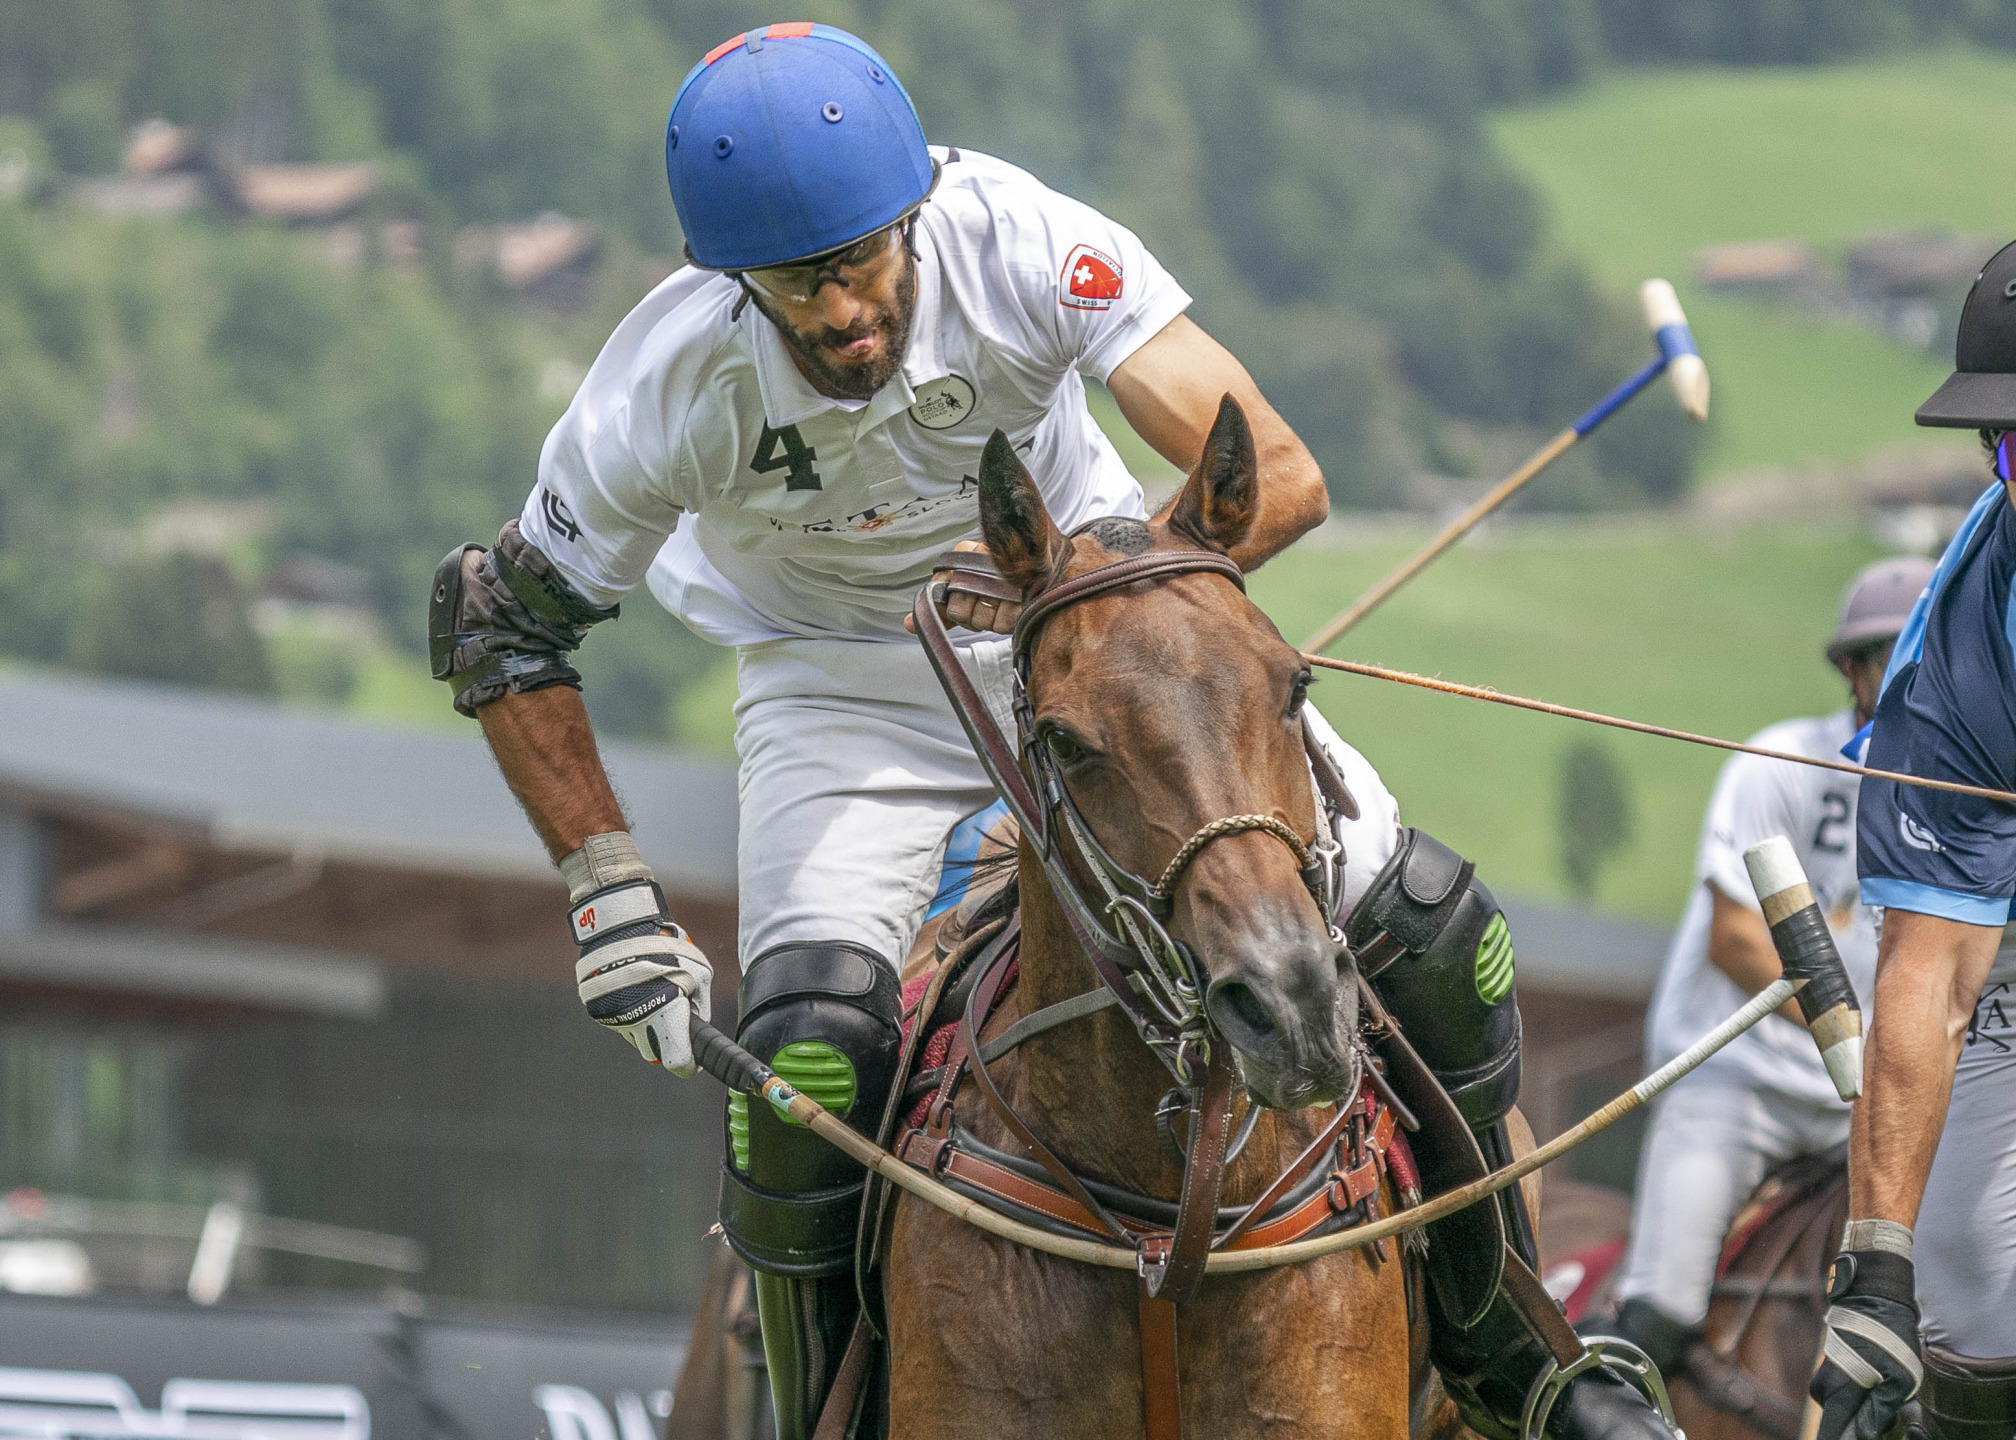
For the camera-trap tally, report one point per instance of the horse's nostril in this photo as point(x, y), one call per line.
point(1238, 1005)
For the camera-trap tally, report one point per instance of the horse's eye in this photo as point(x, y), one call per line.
point(1064, 747)
point(1298, 692)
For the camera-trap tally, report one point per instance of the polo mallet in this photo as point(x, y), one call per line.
point(1806, 946)
point(1678, 359)
point(736, 1068)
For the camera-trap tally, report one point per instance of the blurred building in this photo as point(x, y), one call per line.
point(318, 970)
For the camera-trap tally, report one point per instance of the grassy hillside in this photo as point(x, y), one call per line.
point(1719, 633)
point(1645, 166)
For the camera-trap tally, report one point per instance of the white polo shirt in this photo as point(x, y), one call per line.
point(1754, 799)
point(696, 452)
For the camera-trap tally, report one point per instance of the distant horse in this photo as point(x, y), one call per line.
point(1746, 1378)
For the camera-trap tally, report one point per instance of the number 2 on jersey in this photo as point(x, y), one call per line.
point(797, 458)
point(1831, 834)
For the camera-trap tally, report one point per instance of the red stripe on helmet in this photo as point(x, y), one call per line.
point(790, 30)
point(722, 49)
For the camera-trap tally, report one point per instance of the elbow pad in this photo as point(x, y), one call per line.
point(504, 620)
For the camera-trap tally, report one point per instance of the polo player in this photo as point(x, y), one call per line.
point(1766, 1098)
point(1923, 1294)
point(780, 440)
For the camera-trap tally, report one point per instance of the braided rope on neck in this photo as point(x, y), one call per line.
point(1165, 887)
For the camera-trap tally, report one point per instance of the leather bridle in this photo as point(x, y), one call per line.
point(1121, 926)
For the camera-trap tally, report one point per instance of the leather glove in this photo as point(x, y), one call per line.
point(1871, 1365)
point(639, 974)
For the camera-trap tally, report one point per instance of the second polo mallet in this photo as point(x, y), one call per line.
point(1678, 359)
point(1806, 948)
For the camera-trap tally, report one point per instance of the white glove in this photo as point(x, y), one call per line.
point(638, 974)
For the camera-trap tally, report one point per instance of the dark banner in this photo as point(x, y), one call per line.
point(98, 1369)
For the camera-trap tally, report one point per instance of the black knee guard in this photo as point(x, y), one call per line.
point(1967, 1399)
point(1435, 945)
point(825, 1017)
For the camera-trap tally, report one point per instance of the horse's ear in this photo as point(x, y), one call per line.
point(1217, 503)
point(1025, 543)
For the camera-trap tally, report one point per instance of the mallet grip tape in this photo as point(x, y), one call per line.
point(1806, 946)
point(726, 1061)
point(1806, 949)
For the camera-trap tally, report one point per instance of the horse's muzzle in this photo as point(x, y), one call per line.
point(1289, 1012)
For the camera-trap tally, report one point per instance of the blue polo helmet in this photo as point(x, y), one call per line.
point(790, 141)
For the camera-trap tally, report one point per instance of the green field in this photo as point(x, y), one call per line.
point(1642, 168)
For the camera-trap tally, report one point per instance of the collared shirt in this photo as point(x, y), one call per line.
point(1756, 798)
point(696, 452)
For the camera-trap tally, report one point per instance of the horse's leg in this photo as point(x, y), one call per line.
point(988, 1341)
point(1316, 1351)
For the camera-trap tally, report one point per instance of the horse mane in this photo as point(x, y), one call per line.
point(1120, 535)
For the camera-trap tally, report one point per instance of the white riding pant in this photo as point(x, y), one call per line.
point(854, 770)
point(1709, 1145)
point(1965, 1246)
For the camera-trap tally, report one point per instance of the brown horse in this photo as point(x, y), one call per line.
point(1746, 1378)
point(1165, 705)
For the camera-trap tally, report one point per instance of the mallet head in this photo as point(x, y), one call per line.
point(1806, 947)
point(1668, 323)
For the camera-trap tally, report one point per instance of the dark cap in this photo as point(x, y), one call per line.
point(1981, 393)
point(1878, 602)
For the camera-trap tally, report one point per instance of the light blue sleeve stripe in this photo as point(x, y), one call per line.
point(1930, 900)
point(1911, 643)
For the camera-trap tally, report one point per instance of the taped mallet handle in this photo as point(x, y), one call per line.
point(1684, 367)
point(1806, 946)
point(725, 1060)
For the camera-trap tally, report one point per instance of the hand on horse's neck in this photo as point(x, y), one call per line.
point(1089, 1089)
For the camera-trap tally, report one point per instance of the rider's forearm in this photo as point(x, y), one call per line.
point(1928, 975)
point(546, 749)
point(1739, 945)
point(1169, 391)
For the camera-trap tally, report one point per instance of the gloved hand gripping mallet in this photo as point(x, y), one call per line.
point(1806, 946)
point(1678, 360)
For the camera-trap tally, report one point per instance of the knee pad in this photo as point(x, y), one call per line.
point(1435, 946)
point(1967, 1399)
point(826, 1017)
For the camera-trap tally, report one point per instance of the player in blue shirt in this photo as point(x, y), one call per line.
point(1923, 1295)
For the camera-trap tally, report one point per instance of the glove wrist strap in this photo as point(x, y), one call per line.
point(1885, 1235)
point(602, 861)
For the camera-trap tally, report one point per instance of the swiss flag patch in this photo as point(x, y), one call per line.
point(1091, 279)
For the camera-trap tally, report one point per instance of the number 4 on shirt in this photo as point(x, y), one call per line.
point(797, 458)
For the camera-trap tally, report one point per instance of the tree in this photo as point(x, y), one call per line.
point(1597, 816)
point(178, 618)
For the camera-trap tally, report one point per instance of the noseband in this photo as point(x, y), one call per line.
point(1122, 928)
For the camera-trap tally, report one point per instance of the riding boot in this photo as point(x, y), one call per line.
point(1967, 1399)
point(824, 1017)
point(1490, 1365)
point(1665, 1341)
point(806, 1327)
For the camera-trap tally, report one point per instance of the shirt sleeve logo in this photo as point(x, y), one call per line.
point(1092, 280)
point(558, 515)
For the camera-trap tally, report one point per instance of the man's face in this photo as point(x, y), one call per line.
point(850, 336)
point(1864, 672)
